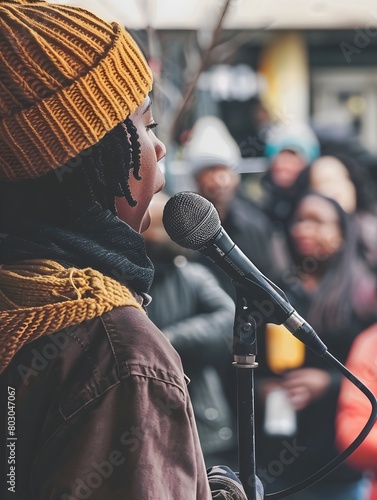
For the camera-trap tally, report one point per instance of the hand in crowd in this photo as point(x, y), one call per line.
point(305, 385)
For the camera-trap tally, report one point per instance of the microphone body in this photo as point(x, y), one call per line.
point(221, 250)
point(193, 222)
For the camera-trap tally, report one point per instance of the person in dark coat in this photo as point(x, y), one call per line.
point(197, 316)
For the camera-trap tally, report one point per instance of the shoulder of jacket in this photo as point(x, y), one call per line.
point(139, 347)
point(109, 350)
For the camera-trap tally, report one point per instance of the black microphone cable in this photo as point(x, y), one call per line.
point(329, 467)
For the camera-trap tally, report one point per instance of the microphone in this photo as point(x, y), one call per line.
point(192, 222)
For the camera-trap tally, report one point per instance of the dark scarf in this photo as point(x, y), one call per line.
point(99, 240)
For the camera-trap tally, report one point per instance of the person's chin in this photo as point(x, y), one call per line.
point(145, 223)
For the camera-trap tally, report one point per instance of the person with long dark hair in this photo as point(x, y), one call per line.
point(323, 283)
point(341, 178)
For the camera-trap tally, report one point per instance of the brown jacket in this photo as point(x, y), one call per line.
point(103, 413)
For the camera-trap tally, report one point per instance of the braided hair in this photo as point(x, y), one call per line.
point(98, 174)
point(103, 171)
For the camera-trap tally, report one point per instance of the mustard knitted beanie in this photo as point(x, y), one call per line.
point(66, 79)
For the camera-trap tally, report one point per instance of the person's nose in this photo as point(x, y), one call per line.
point(220, 180)
point(160, 149)
point(306, 226)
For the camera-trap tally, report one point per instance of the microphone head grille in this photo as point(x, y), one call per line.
point(190, 220)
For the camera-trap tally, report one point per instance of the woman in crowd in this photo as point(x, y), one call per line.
point(322, 283)
point(341, 178)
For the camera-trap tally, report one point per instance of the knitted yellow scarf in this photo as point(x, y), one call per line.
point(39, 297)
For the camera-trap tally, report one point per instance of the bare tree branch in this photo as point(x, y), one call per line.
point(204, 62)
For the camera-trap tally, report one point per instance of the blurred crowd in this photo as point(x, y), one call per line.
point(312, 230)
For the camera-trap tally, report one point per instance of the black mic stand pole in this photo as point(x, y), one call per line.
point(244, 359)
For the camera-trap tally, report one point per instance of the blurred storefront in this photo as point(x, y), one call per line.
point(313, 61)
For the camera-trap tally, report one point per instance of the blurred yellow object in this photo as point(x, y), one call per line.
point(284, 66)
point(284, 351)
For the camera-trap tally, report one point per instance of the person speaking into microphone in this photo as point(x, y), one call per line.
point(98, 405)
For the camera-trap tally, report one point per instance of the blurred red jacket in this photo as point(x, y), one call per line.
point(354, 408)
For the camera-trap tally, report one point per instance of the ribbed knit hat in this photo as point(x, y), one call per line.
point(66, 78)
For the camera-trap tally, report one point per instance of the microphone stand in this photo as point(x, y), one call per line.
point(244, 359)
point(248, 322)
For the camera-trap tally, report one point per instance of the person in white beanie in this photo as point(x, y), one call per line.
point(213, 158)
